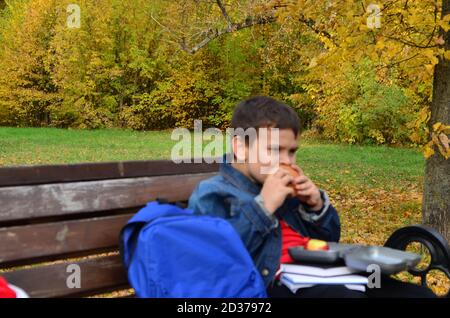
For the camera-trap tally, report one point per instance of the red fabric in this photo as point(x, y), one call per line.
point(5, 291)
point(290, 238)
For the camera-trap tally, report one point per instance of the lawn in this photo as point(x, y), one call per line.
point(339, 164)
point(376, 189)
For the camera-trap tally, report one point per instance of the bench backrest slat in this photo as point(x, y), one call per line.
point(57, 199)
point(52, 213)
point(28, 175)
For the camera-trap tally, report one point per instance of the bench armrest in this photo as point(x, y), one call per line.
point(436, 244)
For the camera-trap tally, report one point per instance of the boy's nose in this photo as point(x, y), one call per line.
point(286, 159)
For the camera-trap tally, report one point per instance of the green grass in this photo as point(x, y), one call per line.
point(25, 146)
point(372, 166)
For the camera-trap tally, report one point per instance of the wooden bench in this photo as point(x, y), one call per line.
point(55, 216)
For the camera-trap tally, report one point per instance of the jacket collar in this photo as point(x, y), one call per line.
point(236, 177)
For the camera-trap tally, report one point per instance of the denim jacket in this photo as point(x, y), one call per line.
point(234, 197)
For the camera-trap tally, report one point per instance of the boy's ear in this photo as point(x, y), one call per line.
point(240, 149)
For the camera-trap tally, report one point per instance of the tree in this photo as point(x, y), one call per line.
point(27, 89)
point(436, 199)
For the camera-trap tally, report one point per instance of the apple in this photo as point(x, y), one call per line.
point(316, 245)
point(291, 171)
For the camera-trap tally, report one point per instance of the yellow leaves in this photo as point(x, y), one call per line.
point(428, 151)
point(429, 68)
point(327, 42)
point(415, 137)
point(441, 128)
point(444, 141)
point(377, 135)
point(423, 117)
point(445, 23)
point(439, 139)
point(446, 18)
point(437, 126)
point(371, 214)
point(431, 55)
point(447, 55)
point(418, 127)
point(380, 45)
point(313, 62)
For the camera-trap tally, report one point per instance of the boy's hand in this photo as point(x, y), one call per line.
point(307, 191)
point(276, 188)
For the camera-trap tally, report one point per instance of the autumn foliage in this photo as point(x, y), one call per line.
point(159, 64)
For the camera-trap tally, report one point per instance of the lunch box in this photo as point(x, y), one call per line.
point(358, 257)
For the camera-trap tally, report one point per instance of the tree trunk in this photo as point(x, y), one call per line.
point(436, 198)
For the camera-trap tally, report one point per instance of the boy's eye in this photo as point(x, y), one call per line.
point(274, 149)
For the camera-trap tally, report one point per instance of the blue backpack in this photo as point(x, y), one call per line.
point(170, 252)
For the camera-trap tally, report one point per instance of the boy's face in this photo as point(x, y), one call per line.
point(280, 149)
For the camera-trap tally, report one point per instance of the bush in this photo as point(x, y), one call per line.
point(372, 112)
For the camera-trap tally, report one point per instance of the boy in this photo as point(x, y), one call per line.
point(270, 211)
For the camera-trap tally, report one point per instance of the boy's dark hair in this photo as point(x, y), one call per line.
point(263, 111)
